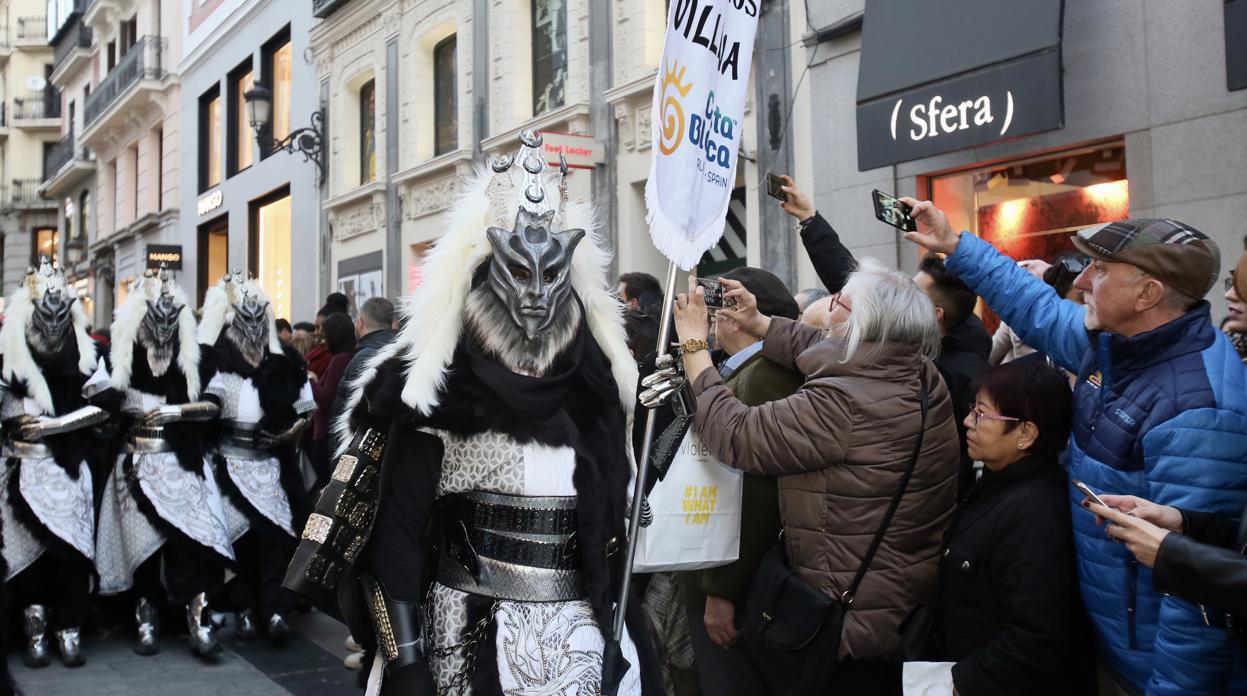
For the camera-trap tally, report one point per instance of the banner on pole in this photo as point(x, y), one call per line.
point(699, 108)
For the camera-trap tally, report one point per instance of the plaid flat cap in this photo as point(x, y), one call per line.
point(1175, 253)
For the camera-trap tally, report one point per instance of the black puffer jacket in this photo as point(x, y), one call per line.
point(1207, 564)
point(963, 357)
point(1008, 610)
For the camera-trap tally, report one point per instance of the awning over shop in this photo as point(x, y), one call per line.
point(942, 76)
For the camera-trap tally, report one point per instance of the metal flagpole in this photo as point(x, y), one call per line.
point(647, 443)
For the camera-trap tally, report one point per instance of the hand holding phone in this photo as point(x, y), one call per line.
point(893, 211)
point(775, 187)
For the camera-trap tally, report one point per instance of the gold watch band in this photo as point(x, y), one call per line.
point(694, 345)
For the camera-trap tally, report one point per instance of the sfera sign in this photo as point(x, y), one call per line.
point(168, 254)
point(1000, 101)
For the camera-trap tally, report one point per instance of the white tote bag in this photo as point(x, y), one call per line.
point(696, 512)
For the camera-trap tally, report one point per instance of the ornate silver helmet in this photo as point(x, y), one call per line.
point(51, 318)
point(530, 267)
point(160, 322)
point(251, 319)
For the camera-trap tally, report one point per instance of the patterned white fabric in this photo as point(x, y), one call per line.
point(259, 481)
point(21, 547)
point(63, 505)
point(125, 537)
point(185, 500)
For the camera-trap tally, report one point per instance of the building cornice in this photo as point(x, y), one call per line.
point(639, 86)
point(447, 163)
point(350, 18)
point(539, 123)
point(355, 195)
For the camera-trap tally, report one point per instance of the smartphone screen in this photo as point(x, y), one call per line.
point(775, 188)
point(714, 294)
point(891, 210)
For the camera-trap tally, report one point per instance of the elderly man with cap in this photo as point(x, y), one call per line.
point(714, 596)
point(1160, 410)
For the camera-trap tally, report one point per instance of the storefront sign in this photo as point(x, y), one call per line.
point(211, 202)
point(168, 254)
point(1001, 101)
point(580, 151)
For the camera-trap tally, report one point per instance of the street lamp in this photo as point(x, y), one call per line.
point(309, 141)
point(74, 249)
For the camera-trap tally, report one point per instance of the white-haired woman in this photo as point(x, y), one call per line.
point(840, 446)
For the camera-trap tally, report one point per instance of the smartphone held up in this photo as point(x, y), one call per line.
point(891, 210)
point(715, 294)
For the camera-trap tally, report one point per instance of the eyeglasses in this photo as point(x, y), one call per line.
point(1229, 281)
point(835, 300)
point(979, 415)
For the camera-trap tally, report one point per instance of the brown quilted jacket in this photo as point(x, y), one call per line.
point(839, 446)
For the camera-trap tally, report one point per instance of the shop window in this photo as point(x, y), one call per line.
point(240, 138)
point(1028, 209)
point(368, 132)
point(445, 97)
point(269, 243)
point(47, 243)
point(210, 139)
point(213, 253)
point(549, 54)
point(278, 54)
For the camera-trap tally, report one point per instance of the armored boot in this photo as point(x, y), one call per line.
point(36, 625)
point(278, 629)
point(69, 641)
point(247, 628)
point(148, 621)
point(203, 636)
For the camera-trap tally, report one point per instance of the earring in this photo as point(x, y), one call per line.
point(1020, 446)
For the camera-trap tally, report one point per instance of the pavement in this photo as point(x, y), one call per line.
point(310, 663)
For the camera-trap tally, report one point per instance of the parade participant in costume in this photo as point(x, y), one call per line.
point(55, 399)
point(266, 404)
point(501, 415)
point(161, 495)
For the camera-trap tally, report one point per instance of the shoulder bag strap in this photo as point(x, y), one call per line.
point(847, 598)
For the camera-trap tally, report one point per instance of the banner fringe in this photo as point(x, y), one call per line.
point(670, 239)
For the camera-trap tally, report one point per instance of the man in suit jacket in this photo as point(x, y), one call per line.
point(714, 597)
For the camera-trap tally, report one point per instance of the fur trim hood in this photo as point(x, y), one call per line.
point(435, 311)
point(19, 363)
point(218, 309)
point(125, 332)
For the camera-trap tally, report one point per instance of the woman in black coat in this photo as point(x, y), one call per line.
point(1008, 612)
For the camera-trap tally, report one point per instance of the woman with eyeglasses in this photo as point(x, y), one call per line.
point(1007, 615)
point(1235, 324)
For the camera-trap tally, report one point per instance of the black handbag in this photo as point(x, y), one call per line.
point(792, 630)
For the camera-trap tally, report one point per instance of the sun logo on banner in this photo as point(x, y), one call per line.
point(672, 115)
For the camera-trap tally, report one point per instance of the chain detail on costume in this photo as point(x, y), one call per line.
point(471, 642)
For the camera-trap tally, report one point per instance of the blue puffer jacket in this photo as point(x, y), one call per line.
point(1161, 415)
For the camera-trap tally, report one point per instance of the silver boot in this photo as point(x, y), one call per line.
point(199, 624)
point(246, 625)
point(148, 621)
point(69, 641)
point(278, 629)
point(36, 625)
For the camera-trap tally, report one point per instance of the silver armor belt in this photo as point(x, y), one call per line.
point(519, 548)
point(240, 440)
point(147, 439)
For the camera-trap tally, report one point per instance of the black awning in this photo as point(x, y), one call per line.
point(941, 76)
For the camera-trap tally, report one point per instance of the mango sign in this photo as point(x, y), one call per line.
point(580, 151)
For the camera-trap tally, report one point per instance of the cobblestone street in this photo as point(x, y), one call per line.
point(310, 663)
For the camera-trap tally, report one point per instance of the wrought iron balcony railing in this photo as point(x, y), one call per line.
point(37, 106)
point(144, 61)
point(76, 36)
point(61, 154)
point(32, 29)
point(324, 8)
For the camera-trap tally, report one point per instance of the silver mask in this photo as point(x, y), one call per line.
point(51, 322)
point(249, 330)
point(530, 270)
point(156, 333)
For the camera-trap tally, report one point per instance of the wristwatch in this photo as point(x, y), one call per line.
point(694, 345)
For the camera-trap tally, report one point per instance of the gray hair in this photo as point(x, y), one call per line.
point(888, 308)
point(377, 313)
